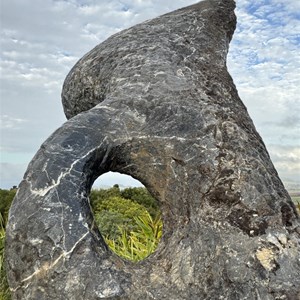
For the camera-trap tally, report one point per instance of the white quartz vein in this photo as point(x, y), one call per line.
point(46, 267)
point(181, 139)
point(44, 191)
point(62, 218)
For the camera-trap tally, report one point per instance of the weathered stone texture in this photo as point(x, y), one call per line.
point(156, 102)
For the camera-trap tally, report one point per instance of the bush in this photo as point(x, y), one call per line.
point(6, 198)
point(141, 196)
point(99, 195)
point(115, 212)
point(129, 220)
point(4, 289)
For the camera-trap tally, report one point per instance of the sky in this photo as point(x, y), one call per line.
point(42, 39)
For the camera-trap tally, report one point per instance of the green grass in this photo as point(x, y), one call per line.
point(137, 245)
point(296, 200)
point(4, 289)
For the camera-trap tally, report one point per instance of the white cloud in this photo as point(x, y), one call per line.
point(264, 61)
point(287, 161)
point(7, 122)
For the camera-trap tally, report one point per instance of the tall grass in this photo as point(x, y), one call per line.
point(4, 289)
point(137, 245)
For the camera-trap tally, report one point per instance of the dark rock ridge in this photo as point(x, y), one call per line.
point(156, 102)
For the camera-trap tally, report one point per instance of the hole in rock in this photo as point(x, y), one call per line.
point(128, 217)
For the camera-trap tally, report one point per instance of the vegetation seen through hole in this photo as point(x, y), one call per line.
point(128, 218)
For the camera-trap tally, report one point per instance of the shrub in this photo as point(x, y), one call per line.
point(4, 289)
point(141, 196)
point(115, 212)
point(129, 220)
point(6, 198)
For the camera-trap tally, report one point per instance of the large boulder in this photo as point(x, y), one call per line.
point(156, 102)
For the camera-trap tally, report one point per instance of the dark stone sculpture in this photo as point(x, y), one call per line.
point(156, 102)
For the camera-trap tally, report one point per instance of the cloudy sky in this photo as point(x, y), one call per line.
point(42, 39)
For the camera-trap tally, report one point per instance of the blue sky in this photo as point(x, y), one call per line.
point(42, 39)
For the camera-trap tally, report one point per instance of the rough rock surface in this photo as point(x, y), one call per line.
point(156, 102)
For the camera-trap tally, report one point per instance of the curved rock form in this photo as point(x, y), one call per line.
point(156, 102)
